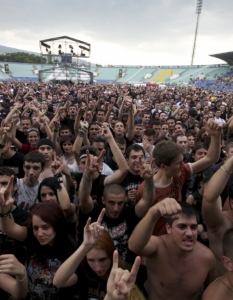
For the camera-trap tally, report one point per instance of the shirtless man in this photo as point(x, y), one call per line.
point(222, 287)
point(216, 220)
point(177, 265)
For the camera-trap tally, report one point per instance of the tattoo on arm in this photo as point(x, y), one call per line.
point(149, 186)
point(86, 181)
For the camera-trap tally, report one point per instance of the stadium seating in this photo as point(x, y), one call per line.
point(107, 74)
point(176, 75)
point(22, 70)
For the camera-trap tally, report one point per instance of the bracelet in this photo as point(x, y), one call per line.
point(56, 183)
point(81, 133)
point(6, 214)
point(21, 280)
point(58, 177)
point(84, 128)
point(223, 169)
point(55, 130)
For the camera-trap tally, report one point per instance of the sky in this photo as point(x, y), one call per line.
point(123, 32)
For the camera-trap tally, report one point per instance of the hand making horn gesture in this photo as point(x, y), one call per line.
point(57, 165)
point(146, 169)
point(92, 162)
point(93, 231)
point(106, 132)
point(6, 193)
point(120, 282)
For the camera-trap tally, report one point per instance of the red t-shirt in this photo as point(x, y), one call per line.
point(173, 190)
point(26, 149)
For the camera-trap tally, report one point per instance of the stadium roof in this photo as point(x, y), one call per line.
point(226, 56)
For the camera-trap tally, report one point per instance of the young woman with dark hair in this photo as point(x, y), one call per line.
point(51, 190)
point(66, 152)
point(90, 265)
point(47, 242)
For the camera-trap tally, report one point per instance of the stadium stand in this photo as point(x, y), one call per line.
point(203, 76)
point(109, 74)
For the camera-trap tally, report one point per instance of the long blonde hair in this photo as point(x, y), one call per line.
point(136, 294)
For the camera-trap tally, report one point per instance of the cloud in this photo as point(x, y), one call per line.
point(137, 32)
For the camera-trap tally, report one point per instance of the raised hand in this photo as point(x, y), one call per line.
point(120, 282)
point(213, 128)
point(168, 208)
point(106, 133)
point(93, 162)
point(56, 123)
point(6, 193)
point(81, 111)
point(147, 146)
point(57, 165)
point(83, 126)
point(146, 169)
point(93, 231)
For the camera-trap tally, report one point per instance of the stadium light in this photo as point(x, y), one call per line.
point(199, 6)
point(198, 12)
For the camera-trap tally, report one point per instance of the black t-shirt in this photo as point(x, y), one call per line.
point(15, 163)
point(97, 187)
point(43, 262)
point(11, 246)
point(128, 142)
point(120, 229)
point(93, 289)
point(90, 289)
point(131, 182)
point(21, 137)
point(111, 163)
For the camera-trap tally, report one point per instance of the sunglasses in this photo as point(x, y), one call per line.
point(33, 129)
point(2, 146)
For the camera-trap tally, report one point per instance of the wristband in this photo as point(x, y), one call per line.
point(6, 214)
point(21, 280)
point(59, 177)
point(81, 133)
point(55, 130)
point(57, 180)
point(223, 169)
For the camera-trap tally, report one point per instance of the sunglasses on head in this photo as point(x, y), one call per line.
point(33, 129)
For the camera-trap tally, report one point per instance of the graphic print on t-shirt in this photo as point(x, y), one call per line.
point(120, 237)
point(40, 278)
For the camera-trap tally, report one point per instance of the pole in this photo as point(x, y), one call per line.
point(198, 12)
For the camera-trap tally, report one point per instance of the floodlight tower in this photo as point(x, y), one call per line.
point(198, 12)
